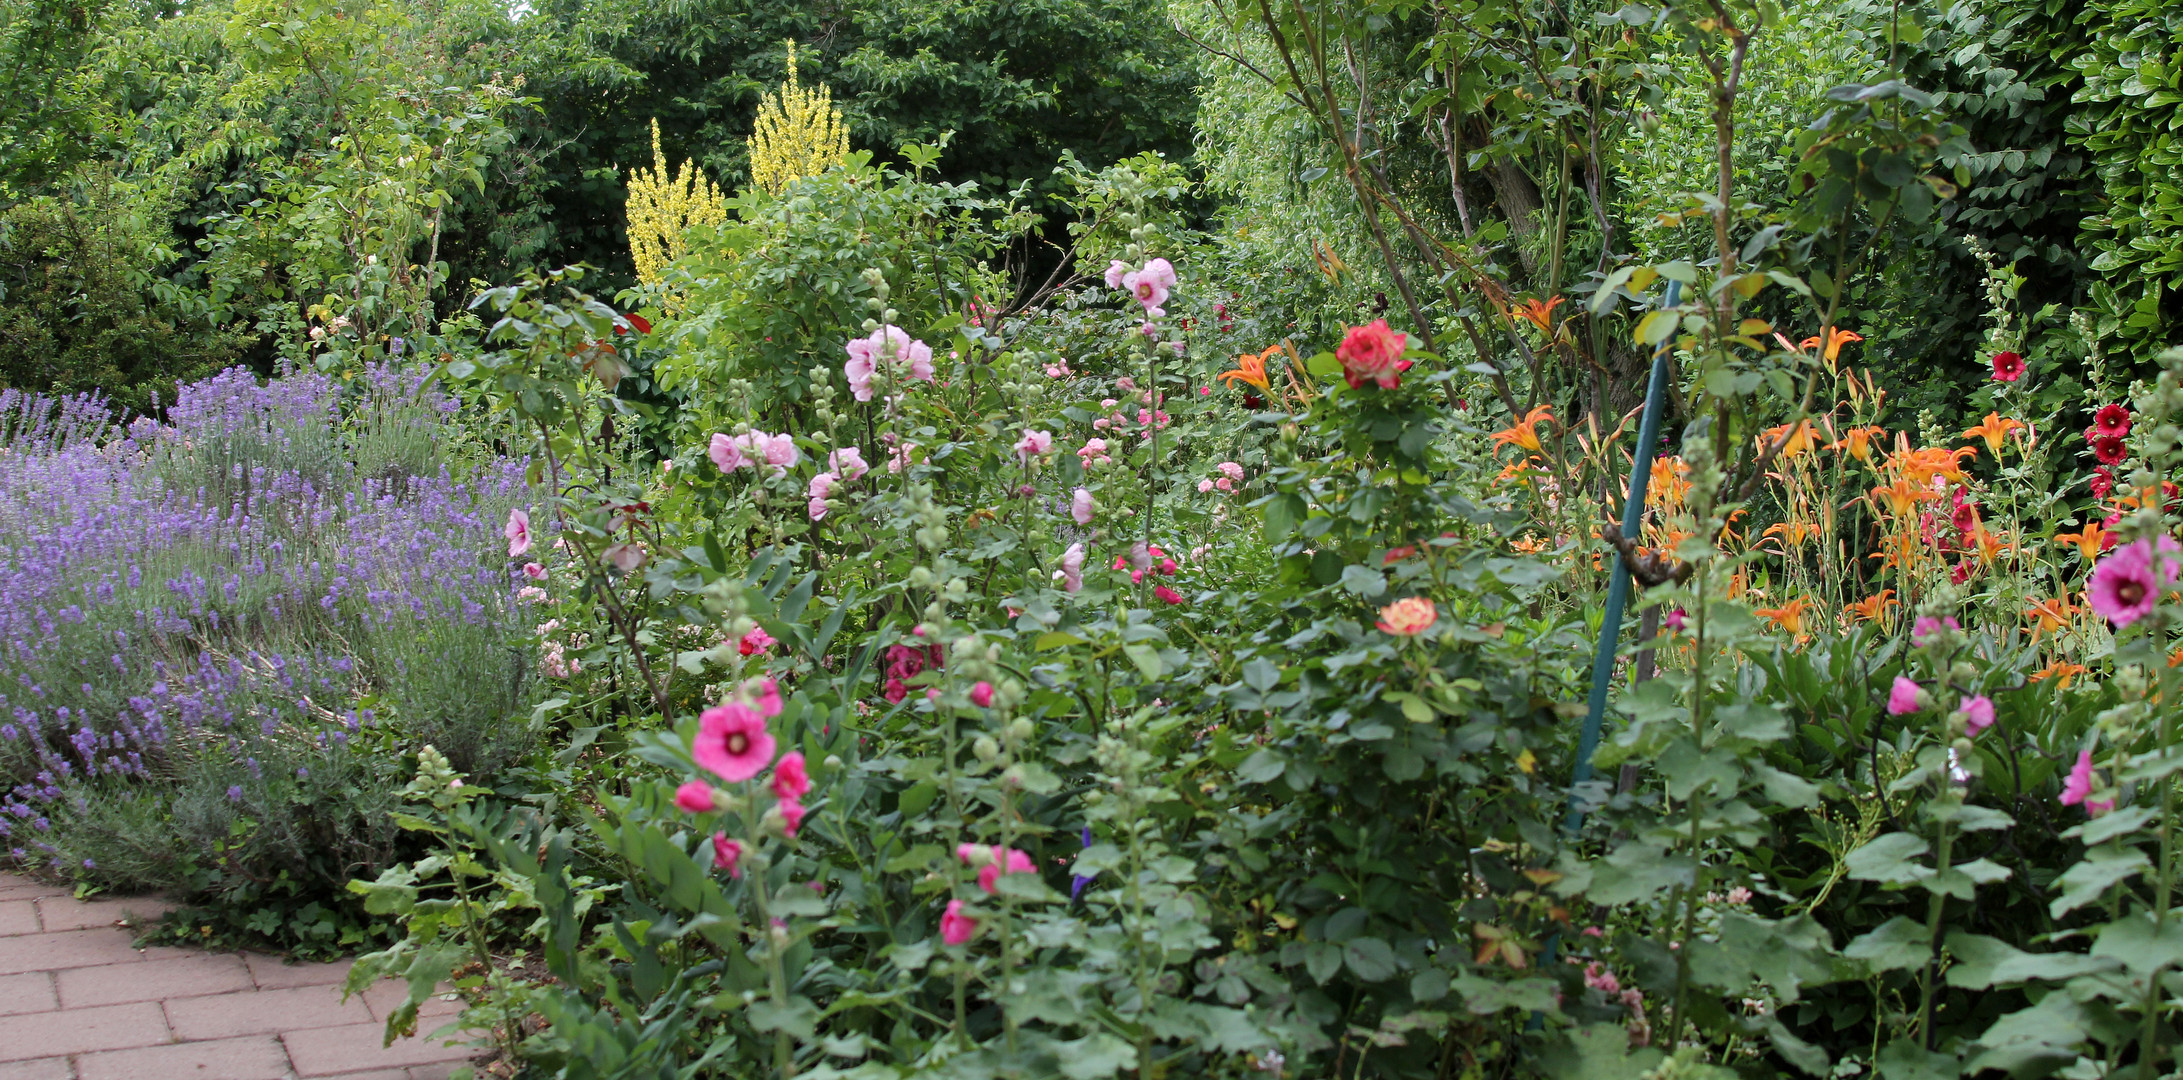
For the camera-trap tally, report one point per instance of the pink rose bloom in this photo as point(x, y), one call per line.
point(1225, 484)
point(1081, 506)
point(957, 928)
point(1205, 486)
point(1231, 470)
point(765, 695)
point(1115, 270)
point(534, 571)
point(695, 797)
point(1166, 594)
point(755, 642)
point(847, 462)
point(792, 812)
point(790, 779)
point(1373, 354)
point(2077, 786)
point(1072, 568)
point(727, 854)
point(2124, 587)
point(1034, 443)
point(1978, 713)
point(981, 695)
point(1102, 424)
point(732, 742)
point(518, 531)
point(1124, 384)
point(1902, 698)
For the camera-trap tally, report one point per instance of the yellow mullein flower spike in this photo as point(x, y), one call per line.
point(799, 133)
point(661, 206)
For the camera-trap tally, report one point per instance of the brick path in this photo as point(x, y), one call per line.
point(79, 1002)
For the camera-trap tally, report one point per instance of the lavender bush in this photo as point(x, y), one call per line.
point(220, 635)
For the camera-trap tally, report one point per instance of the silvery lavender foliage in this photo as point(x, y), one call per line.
point(218, 634)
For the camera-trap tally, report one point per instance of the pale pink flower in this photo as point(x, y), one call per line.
point(847, 462)
point(518, 531)
point(727, 855)
point(780, 451)
point(1115, 270)
point(1927, 626)
point(1978, 713)
point(790, 779)
point(1902, 697)
point(1072, 568)
point(1033, 444)
point(1058, 370)
point(1081, 506)
point(625, 557)
point(1093, 450)
point(1231, 470)
point(889, 345)
point(1205, 486)
point(695, 797)
point(1148, 292)
point(732, 742)
point(957, 928)
point(726, 452)
point(1102, 424)
point(534, 571)
point(1225, 484)
point(531, 594)
point(1160, 270)
point(1124, 384)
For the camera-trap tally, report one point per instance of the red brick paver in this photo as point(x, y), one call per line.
point(78, 1001)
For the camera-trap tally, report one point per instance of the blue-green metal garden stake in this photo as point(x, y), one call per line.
point(1618, 584)
point(1618, 595)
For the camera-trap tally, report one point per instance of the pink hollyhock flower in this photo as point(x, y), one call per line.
point(765, 695)
point(780, 451)
point(518, 531)
point(727, 855)
point(1676, 620)
point(625, 557)
point(895, 691)
point(726, 452)
point(889, 345)
point(534, 571)
point(1093, 450)
point(1072, 568)
point(1160, 270)
point(1115, 270)
point(1978, 713)
point(1149, 291)
point(531, 594)
point(695, 797)
point(1927, 626)
point(990, 861)
point(981, 694)
point(1081, 506)
point(847, 462)
point(2077, 786)
point(755, 642)
point(790, 779)
point(1034, 443)
point(1166, 594)
point(732, 742)
point(1902, 697)
point(1373, 354)
point(792, 812)
point(957, 928)
point(2008, 366)
point(2124, 587)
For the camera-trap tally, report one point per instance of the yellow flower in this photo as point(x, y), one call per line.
point(661, 206)
point(798, 133)
point(1408, 617)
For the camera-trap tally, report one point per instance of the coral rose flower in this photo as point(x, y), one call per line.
point(1408, 617)
point(1373, 354)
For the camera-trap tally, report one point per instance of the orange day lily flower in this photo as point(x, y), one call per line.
point(1793, 442)
point(1250, 369)
point(1789, 616)
point(1836, 338)
point(2051, 615)
point(2060, 670)
point(1990, 545)
point(1670, 483)
point(1927, 462)
point(1858, 441)
point(1902, 497)
point(1995, 429)
point(1536, 313)
point(1793, 534)
point(2089, 542)
point(1870, 608)
point(1525, 433)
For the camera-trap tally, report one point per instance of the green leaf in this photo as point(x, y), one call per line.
point(1146, 658)
point(1262, 767)
point(1370, 958)
point(2091, 877)
point(796, 1016)
point(1887, 860)
point(1597, 1052)
point(2141, 944)
point(1096, 1055)
point(1637, 870)
point(1892, 946)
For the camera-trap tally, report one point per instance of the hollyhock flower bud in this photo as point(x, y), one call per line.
point(981, 694)
point(1081, 506)
point(957, 928)
point(727, 855)
point(1902, 698)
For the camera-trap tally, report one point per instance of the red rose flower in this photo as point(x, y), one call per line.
point(1373, 354)
point(2109, 449)
point(2008, 367)
point(2112, 420)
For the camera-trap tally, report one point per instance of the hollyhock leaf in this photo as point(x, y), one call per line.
point(1973, 958)
point(1056, 639)
point(2091, 877)
point(1370, 958)
point(919, 857)
point(1972, 818)
point(2107, 827)
point(797, 1016)
point(914, 801)
point(1894, 945)
point(1786, 789)
point(2038, 1039)
point(1887, 859)
point(2025, 967)
point(1093, 1056)
point(1147, 660)
point(1961, 880)
point(1905, 1059)
point(1598, 1052)
point(2151, 767)
point(2142, 945)
point(797, 899)
point(1797, 1052)
point(1037, 779)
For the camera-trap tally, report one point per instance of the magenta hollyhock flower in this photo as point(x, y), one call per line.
point(792, 813)
point(981, 694)
point(1072, 568)
point(1081, 506)
point(765, 694)
point(695, 797)
point(1676, 620)
point(957, 928)
point(990, 861)
point(2112, 420)
point(518, 531)
point(2077, 786)
point(755, 642)
point(1166, 594)
point(732, 742)
point(728, 855)
point(1978, 713)
point(791, 781)
point(1373, 354)
point(1902, 697)
point(2008, 366)
point(847, 462)
point(1033, 444)
point(2123, 588)
point(1927, 626)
